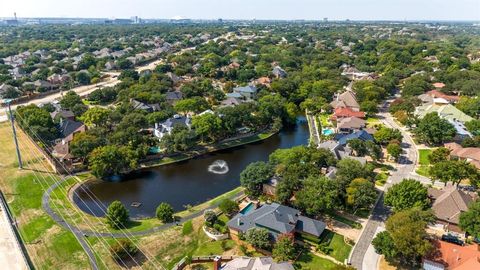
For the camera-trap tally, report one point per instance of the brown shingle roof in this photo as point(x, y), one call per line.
point(449, 203)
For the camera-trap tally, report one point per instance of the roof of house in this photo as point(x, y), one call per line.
point(259, 263)
point(438, 94)
point(245, 89)
point(351, 123)
point(278, 71)
point(177, 120)
point(449, 203)
point(230, 101)
point(342, 112)
point(234, 95)
point(346, 99)
point(278, 219)
point(361, 134)
point(62, 113)
point(173, 95)
point(472, 154)
point(455, 257)
point(68, 127)
point(438, 85)
point(448, 112)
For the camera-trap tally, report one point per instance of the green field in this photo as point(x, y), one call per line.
point(423, 156)
point(336, 242)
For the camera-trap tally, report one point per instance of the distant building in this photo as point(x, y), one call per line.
point(347, 99)
point(248, 92)
point(278, 72)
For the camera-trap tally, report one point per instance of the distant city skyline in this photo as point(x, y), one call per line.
point(248, 9)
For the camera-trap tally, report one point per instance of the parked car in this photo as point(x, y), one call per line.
point(452, 239)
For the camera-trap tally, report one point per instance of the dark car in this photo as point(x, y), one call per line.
point(452, 239)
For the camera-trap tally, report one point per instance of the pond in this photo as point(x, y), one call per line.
point(189, 182)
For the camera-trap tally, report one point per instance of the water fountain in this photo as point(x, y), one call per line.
point(218, 167)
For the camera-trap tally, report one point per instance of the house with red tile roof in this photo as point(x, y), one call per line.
point(438, 85)
point(453, 257)
point(470, 154)
point(437, 97)
point(346, 112)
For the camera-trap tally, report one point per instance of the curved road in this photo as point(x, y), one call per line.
point(404, 169)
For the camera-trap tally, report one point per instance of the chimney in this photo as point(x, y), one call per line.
point(217, 263)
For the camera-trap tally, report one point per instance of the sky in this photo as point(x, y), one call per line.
point(248, 9)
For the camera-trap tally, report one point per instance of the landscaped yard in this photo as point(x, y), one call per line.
point(423, 156)
point(336, 243)
point(309, 261)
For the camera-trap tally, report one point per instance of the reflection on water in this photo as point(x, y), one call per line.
point(188, 182)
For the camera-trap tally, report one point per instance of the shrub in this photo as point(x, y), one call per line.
point(165, 212)
point(117, 215)
point(123, 249)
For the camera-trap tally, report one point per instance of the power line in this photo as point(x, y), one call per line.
point(123, 230)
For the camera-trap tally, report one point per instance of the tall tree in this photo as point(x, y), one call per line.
point(317, 196)
point(361, 194)
point(254, 175)
point(470, 220)
point(117, 215)
point(434, 130)
point(407, 194)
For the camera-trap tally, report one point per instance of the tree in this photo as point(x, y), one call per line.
point(394, 150)
point(383, 244)
point(95, 116)
point(254, 175)
point(123, 249)
point(124, 64)
point(37, 122)
point(407, 194)
point(369, 106)
point(407, 231)
point(83, 77)
point(180, 139)
point(284, 248)
point(210, 218)
point(454, 171)
point(111, 160)
point(317, 196)
point(384, 135)
point(164, 212)
point(349, 169)
point(69, 100)
point(470, 220)
point(359, 146)
point(207, 125)
point(83, 144)
point(191, 105)
point(361, 194)
point(258, 237)
point(228, 207)
point(117, 215)
point(401, 116)
point(434, 130)
point(473, 126)
point(438, 155)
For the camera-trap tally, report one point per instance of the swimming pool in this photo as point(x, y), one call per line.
point(327, 131)
point(247, 208)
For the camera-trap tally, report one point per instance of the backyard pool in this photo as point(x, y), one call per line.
point(327, 131)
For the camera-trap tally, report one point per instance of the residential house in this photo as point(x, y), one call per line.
point(438, 85)
point(139, 105)
point(450, 113)
point(278, 72)
point(58, 79)
point(110, 65)
point(263, 81)
point(354, 74)
point(175, 79)
point(62, 114)
point(347, 99)
point(437, 97)
point(7, 90)
point(248, 92)
point(230, 101)
point(350, 124)
point(340, 113)
point(448, 204)
point(173, 96)
point(470, 154)
point(452, 257)
point(363, 135)
point(340, 151)
point(68, 128)
point(259, 263)
point(41, 85)
point(166, 127)
point(277, 219)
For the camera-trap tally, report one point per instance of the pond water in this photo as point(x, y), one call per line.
point(184, 183)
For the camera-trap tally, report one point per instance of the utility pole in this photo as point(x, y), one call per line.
point(20, 165)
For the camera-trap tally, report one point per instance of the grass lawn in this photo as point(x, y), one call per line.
point(49, 246)
point(345, 220)
point(324, 120)
point(372, 121)
point(336, 242)
point(381, 179)
point(310, 261)
point(423, 170)
point(423, 156)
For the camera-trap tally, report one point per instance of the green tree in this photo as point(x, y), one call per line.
point(284, 248)
point(83, 144)
point(394, 150)
point(369, 106)
point(69, 100)
point(111, 160)
point(83, 77)
point(36, 122)
point(254, 175)
point(164, 212)
point(180, 139)
point(384, 244)
point(207, 125)
point(317, 196)
point(191, 105)
point(438, 155)
point(359, 146)
point(470, 220)
point(473, 126)
point(384, 135)
point(95, 117)
point(258, 237)
point(407, 194)
point(117, 215)
point(454, 171)
point(434, 130)
point(122, 250)
point(361, 194)
point(210, 218)
point(228, 207)
point(349, 169)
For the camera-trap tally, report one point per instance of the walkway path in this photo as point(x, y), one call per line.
point(312, 127)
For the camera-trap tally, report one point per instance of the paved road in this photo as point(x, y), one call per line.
point(11, 256)
point(405, 169)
